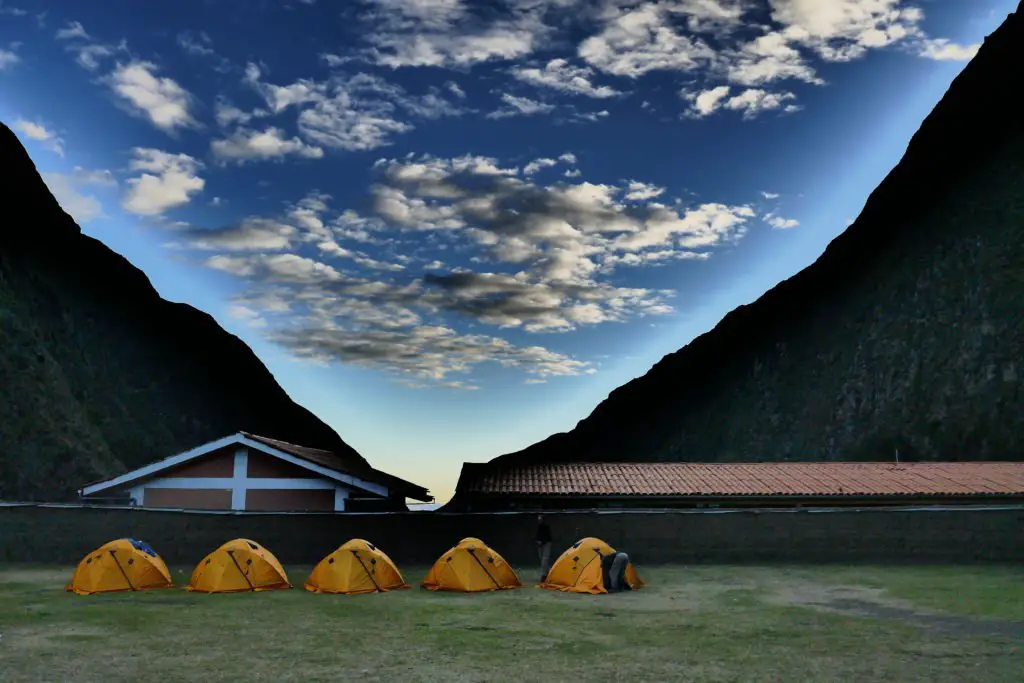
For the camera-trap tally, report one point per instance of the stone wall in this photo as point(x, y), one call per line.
point(46, 534)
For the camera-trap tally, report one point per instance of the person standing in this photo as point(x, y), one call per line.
point(543, 540)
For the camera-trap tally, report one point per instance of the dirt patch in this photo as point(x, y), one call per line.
point(871, 602)
point(950, 624)
point(36, 638)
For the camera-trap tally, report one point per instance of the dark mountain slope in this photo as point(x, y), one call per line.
point(97, 372)
point(906, 333)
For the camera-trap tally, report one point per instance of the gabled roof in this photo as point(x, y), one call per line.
point(324, 463)
point(331, 460)
point(746, 479)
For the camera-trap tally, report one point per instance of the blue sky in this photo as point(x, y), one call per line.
point(451, 228)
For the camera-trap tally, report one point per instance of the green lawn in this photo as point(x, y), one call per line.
point(712, 623)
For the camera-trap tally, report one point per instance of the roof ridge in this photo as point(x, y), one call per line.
point(287, 443)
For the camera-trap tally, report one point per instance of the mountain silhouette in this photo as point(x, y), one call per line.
point(99, 373)
point(906, 336)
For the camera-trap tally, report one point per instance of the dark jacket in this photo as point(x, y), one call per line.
point(606, 567)
point(543, 533)
point(606, 571)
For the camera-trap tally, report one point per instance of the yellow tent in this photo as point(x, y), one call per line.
point(237, 566)
point(578, 569)
point(355, 567)
point(470, 567)
point(121, 565)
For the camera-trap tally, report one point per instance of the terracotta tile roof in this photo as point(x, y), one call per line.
point(315, 455)
point(332, 461)
point(748, 479)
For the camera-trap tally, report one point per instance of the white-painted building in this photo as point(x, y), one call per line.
point(246, 472)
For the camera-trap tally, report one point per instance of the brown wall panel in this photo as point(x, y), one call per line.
point(262, 465)
point(196, 499)
point(220, 463)
point(289, 499)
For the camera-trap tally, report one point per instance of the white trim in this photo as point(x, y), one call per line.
point(159, 465)
point(239, 439)
point(240, 472)
point(225, 483)
point(340, 496)
point(319, 469)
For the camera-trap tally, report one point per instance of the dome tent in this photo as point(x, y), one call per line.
point(578, 569)
point(122, 565)
point(471, 567)
point(355, 567)
point(238, 566)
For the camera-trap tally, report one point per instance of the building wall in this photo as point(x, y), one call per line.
point(249, 479)
point(196, 499)
point(220, 463)
point(63, 535)
point(262, 465)
point(283, 499)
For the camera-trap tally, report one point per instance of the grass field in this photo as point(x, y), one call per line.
point(717, 624)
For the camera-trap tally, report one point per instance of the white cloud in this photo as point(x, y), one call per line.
point(253, 145)
point(636, 41)
point(639, 192)
point(252, 233)
point(338, 124)
point(841, 30)
point(166, 181)
point(8, 58)
point(427, 50)
point(246, 315)
point(941, 49)
point(770, 195)
point(278, 268)
point(39, 133)
point(88, 56)
point(780, 223)
point(591, 116)
point(360, 112)
point(70, 192)
point(228, 114)
point(702, 38)
point(159, 99)
point(426, 352)
point(199, 44)
point(538, 164)
point(706, 102)
point(751, 102)
point(769, 58)
point(559, 75)
point(196, 43)
point(88, 53)
point(73, 30)
point(278, 97)
point(520, 106)
point(541, 257)
point(455, 89)
point(12, 11)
